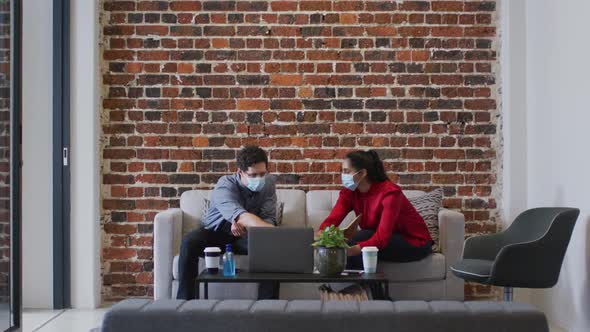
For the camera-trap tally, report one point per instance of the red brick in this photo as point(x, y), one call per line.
point(126, 229)
point(151, 204)
point(118, 55)
point(415, 5)
point(315, 5)
point(253, 104)
point(118, 253)
point(152, 55)
point(480, 104)
point(352, 128)
point(283, 5)
point(447, 6)
point(286, 154)
point(119, 6)
point(158, 30)
point(447, 31)
point(286, 79)
point(185, 5)
point(414, 31)
point(152, 5)
point(480, 31)
point(381, 31)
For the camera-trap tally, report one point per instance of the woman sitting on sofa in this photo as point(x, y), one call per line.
point(388, 220)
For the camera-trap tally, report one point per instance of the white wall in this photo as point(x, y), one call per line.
point(557, 139)
point(513, 82)
point(37, 259)
point(85, 222)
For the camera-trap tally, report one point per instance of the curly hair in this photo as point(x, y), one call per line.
point(251, 155)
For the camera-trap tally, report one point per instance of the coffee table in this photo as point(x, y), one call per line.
point(242, 276)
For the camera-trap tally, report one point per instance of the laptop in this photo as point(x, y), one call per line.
point(280, 249)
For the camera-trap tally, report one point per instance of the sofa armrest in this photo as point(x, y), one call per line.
point(451, 226)
point(167, 237)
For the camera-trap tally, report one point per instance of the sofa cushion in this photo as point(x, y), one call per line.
point(192, 201)
point(294, 208)
point(319, 205)
point(432, 267)
point(279, 214)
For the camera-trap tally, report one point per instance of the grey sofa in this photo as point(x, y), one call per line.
point(428, 279)
point(142, 315)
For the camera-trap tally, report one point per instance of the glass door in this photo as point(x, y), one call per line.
point(10, 164)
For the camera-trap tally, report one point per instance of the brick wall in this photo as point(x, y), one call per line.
point(187, 83)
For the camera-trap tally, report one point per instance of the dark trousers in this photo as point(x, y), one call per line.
point(398, 250)
point(192, 247)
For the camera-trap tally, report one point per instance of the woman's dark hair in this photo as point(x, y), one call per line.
point(370, 161)
point(251, 155)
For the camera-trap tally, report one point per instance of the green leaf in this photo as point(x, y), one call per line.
point(331, 237)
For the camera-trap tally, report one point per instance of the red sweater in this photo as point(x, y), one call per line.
point(386, 210)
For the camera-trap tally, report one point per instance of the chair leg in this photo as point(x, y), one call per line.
point(508, 294)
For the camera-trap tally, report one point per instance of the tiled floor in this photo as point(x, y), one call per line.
point(34, 318)
point(73, 320)
point(77, 320)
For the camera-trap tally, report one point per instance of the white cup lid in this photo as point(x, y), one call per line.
point(212, 249)
point(370, 249)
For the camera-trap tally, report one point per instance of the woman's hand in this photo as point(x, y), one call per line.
point(317, 234)
point(354, 250)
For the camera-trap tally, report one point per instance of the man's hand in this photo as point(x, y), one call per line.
point(248, 219)
point(354, 250)
point(238, 230)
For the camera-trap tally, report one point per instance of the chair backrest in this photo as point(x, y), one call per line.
point(191, 204)
point(544, 235)
point(537, 223)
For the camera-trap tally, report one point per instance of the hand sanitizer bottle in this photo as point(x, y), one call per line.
point(229, 264)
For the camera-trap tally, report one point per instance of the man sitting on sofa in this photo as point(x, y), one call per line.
point(245, 199)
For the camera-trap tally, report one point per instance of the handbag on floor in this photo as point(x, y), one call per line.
point(355, 292)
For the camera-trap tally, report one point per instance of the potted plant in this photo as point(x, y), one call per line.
point(330, 253)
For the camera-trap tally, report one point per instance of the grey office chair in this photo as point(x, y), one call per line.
point(526, 255)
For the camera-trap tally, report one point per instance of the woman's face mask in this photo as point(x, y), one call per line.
point(348, 181)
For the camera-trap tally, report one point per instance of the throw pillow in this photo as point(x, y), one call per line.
point(428, 206)
point(206, 205)
point(280, 208)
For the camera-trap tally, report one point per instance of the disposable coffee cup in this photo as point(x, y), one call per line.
point(212, 255)
point(370, 259)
